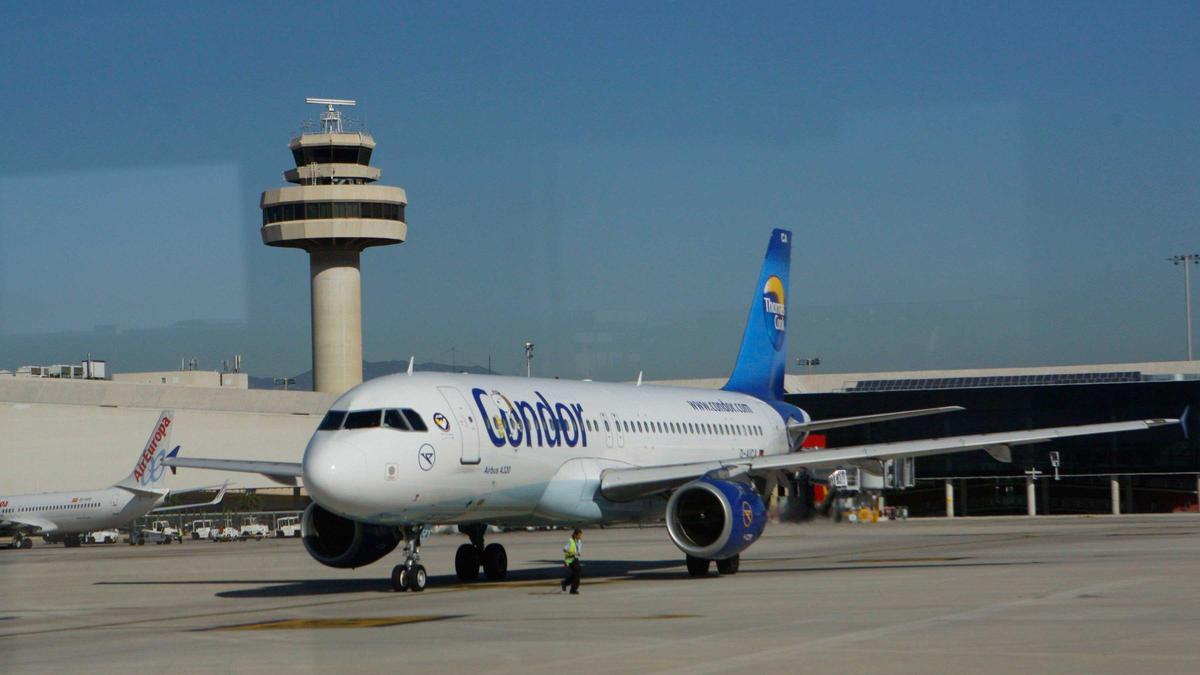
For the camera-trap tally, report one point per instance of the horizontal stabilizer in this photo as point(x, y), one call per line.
point(284, 473)
point(216, 500)
point(838, 422)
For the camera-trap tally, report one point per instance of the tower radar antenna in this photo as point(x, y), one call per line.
point(331, 119)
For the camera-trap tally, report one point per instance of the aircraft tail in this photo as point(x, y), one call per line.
point(149, 469)
point(762, 357)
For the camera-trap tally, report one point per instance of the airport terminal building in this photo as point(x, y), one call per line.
point(63, 433)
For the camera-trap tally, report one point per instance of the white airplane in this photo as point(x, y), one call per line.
point(400, 452)
point(64, 516)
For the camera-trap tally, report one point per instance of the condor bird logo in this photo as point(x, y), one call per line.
point(426, 457)
point(774, 310)
point(747, 514)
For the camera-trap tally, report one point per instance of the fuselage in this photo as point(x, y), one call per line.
point(431, 447)
point(76, 512)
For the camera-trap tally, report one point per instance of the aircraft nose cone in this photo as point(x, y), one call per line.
point(335, 475)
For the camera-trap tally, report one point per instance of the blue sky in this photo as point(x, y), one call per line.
point(970, 185)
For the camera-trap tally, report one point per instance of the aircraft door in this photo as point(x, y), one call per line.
point(607, 429)
point(620, 434)
point(468, 429)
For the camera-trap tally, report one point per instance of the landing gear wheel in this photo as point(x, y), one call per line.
point(697, 567)
point(495, 562)
point(729, 565)
point(417, 578)
point(466, 562)
point(399, 579)
point(410, 575)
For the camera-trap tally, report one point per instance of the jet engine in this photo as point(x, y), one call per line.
point(715, 519)
point(340, 542)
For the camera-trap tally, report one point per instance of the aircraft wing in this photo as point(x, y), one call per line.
point(632, 483)
point(38, 524)
point(284, 473)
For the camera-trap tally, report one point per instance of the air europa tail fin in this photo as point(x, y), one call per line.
point(763, 355)
point(149, 469)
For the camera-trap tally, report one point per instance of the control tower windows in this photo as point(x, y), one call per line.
point(332, 154)
point(322, 210)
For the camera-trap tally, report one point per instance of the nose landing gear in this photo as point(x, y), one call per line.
point(469, 557)
point(410, 575)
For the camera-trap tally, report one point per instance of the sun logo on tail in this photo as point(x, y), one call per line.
point(774, 310)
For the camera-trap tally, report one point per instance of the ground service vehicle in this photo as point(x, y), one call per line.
point(288, 526)
point(201, 529)
point(252, 529)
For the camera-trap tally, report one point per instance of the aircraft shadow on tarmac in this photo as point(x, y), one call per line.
point(273, 588)
point(609, 570)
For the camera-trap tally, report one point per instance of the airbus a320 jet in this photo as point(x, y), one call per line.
point(401, 452)
point(64, 516)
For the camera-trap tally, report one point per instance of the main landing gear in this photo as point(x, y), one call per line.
point(20, 540)
point(410, 575)
point(469, 557)
point(698, 567)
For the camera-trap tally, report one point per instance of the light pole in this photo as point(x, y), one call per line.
point(528, 359)
point(1186, 259)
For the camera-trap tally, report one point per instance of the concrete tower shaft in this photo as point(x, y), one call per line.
point(334, 210)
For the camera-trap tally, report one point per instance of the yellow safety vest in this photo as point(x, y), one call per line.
point(570, 551)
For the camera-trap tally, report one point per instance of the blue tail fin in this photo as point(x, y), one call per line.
point(763, 355)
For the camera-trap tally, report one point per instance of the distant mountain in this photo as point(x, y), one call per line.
point(371, 370)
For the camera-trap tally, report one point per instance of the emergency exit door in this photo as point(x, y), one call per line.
point(466, 427)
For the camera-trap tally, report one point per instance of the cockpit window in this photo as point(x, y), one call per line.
point(362, 419)
point(332, 421)
point(393, 419)
point(415, 420)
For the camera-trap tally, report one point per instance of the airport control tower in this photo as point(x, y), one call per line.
point(334, 211)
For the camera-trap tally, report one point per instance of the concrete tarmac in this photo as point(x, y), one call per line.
point(1000, 595)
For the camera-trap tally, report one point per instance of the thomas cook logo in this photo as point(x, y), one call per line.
point(426, 457)
point(440, 420)
point(747, 514)
point(774, 310)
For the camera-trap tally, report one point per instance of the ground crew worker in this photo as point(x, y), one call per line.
point(571, 554)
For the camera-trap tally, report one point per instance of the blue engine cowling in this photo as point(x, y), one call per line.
point(715, 519)
point(340, 542)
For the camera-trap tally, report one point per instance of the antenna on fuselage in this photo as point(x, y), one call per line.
point(410, 365)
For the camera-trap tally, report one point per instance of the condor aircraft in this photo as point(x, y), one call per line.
point(64, 516)
point(398, 453)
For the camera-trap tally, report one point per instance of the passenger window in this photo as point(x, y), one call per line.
point(332, 421)
point(415, 420)
point(394, 420)
point(362, 419)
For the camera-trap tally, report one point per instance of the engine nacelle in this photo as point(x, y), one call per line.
point(340, 542)
point(715, 519)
